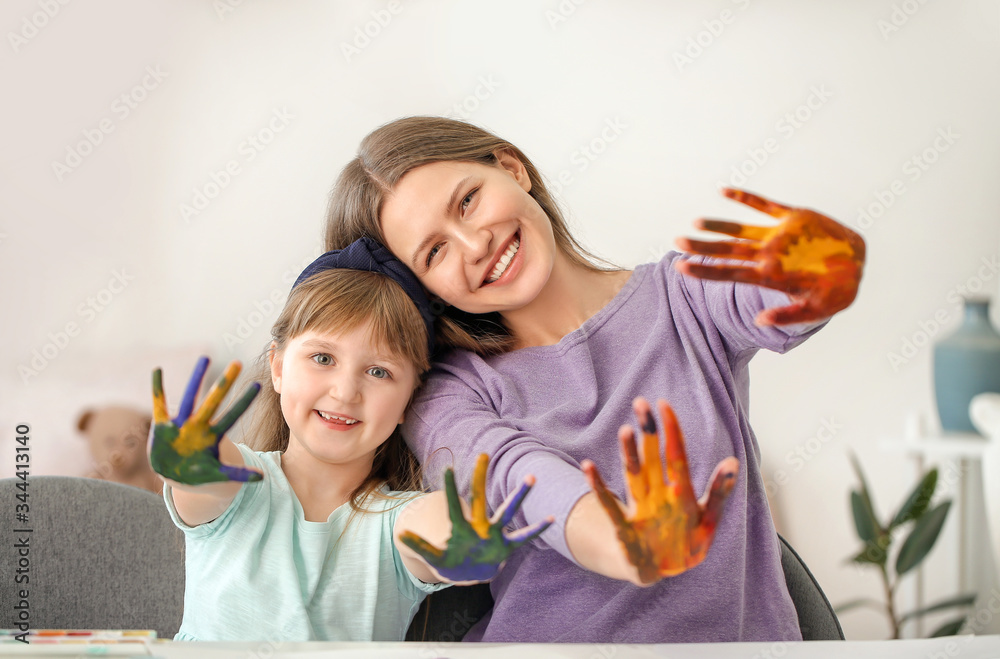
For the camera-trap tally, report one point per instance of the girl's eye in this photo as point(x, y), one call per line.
point(379, 372)
point(322, 359)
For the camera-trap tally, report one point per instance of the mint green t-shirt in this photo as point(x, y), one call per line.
point(260, 571)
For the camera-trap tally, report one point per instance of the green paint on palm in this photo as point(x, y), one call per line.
point(186, 449)
point(469, 556)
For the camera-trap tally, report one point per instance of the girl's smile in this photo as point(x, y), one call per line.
point(341, 396)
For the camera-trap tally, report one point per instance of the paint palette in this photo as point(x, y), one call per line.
point(79, 642)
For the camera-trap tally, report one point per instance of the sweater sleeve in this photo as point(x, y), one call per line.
point(453, 420)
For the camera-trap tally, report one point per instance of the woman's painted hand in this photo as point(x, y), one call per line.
point(814, 259)
point(185, 449)
point(664, 530)
point(478, 546)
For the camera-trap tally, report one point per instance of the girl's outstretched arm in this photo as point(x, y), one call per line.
point(188, 451)
point(475, 546)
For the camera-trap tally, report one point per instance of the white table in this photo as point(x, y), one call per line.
point(953, 647)
point(966, 647)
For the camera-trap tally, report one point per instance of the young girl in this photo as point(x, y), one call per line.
point(295, 541)
point(551, 355)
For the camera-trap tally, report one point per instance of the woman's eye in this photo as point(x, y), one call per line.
point(322, 359)
point(432, 253)
point(379, 372)
point(468, 199)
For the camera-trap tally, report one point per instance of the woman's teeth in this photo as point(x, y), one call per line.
point(504, 261)
point(334, 417)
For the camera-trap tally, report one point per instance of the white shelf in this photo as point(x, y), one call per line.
point(943, 445)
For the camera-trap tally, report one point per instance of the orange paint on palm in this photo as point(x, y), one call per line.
point(814, 259)
point(667, 531)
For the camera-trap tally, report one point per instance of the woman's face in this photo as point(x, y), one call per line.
point(471, 233)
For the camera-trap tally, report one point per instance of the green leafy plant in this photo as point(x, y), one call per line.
point(925, 523)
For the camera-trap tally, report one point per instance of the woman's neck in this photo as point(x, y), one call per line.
point(320, 487)
point(571, 296)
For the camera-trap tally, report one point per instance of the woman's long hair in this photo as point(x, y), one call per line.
point(385, 156)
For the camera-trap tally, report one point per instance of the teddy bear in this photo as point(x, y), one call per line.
point(117, 437)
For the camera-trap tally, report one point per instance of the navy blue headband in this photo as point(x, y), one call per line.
point(367, 254)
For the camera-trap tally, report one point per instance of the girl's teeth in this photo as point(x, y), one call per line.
point(331, 417)
point(504, 261)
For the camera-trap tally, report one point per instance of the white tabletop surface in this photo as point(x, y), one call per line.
point(952, 647)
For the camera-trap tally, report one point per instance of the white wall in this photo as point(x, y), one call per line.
point(878, 98)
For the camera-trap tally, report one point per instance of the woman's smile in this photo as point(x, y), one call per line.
point(493, 252)
point(508, 262)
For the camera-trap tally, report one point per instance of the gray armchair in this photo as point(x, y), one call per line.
point(101, 556)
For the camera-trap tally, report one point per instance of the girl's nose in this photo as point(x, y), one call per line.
point(344, 389)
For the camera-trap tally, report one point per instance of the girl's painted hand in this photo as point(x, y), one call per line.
point(478, 546)
point(814, 259)
point(186, 448)
point(667, 530)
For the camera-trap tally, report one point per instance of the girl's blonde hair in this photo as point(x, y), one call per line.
point(385, 156)
point(336, 301)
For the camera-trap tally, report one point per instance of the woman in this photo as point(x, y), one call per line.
point(548, 353)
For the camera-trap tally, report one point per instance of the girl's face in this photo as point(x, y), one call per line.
point(340, 395)
point(471, 233)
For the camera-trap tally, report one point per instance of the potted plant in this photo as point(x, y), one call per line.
point(922, 524)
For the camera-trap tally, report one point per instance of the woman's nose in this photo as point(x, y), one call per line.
point(475, 243)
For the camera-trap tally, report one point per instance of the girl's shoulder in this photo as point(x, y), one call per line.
point(261, 459)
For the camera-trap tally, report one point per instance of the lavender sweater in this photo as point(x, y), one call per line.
point(542, 410)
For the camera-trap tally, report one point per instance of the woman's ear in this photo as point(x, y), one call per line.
point(508, 161)
point(274, 358)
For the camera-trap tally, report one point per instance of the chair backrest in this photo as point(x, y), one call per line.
point(817, 620)
point(100, 556)
point(448, 614)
